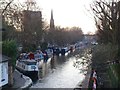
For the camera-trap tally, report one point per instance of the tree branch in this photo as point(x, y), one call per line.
point(6, 7)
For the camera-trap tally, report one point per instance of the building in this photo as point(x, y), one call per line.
point(50, 38)
point(32, 27)
point(52, 27)
point(3, 70)
point(31, 19)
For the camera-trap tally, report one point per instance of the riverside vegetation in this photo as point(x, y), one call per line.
point(104, 61)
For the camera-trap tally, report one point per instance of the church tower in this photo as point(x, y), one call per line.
point(52, 27)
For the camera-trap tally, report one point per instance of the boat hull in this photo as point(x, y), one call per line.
point(32, 74)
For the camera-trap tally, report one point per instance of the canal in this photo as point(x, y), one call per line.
point(67, 71)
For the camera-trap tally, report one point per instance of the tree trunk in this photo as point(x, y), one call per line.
point(10, 74)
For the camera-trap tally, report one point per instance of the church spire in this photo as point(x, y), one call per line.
point(52, 14)
point(51, 21)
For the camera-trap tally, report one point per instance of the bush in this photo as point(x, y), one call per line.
point(114, 75)
point(9, 48)
point(104, 52)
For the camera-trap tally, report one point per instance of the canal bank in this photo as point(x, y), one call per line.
point(20, 81)
point(85, 82)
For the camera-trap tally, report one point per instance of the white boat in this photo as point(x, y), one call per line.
point(65, 51)
point(29, 67)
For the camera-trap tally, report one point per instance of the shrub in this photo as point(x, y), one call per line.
point(9, 48)
point(114, 75)
point(104, 52)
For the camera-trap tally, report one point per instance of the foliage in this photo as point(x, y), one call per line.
point(9, 48)
point(102, 56)
point(103, 53)
point(19, 24)
point(29, 48)
point(63, 36)
point(114, 74)
point(44, 46)
point(107, 18)
point(8, 31)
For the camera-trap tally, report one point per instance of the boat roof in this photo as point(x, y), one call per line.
point(28, 61)
point(3, 58)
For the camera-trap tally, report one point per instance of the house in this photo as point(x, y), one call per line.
point(3, 70)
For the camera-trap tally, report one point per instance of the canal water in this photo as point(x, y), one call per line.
point(67, 72)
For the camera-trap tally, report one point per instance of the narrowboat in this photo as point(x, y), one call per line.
point(29, 67)
point(64, 51)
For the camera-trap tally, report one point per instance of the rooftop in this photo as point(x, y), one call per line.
point(3, 58)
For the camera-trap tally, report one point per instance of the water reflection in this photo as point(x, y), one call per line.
point(67, 72)
point(83, 61)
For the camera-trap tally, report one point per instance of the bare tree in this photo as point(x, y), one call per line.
point(4, 5)
point(12, 13)
point(106, 17)
point(63, 36)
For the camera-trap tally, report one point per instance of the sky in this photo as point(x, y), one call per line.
point(68, 13)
